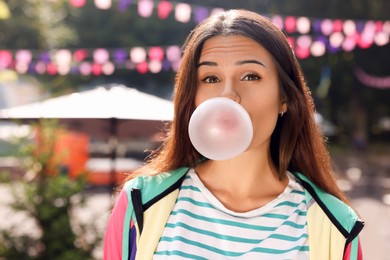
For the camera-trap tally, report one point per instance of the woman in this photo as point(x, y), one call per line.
point(276, 200)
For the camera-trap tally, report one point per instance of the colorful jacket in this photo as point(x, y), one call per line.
point(145, 203)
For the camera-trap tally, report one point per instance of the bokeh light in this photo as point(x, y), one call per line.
point(318, 49)
point(164, 9)
point(145, 8)
point(303, 25)
point(138, 54)
point(183, 12)
point(155, 66)
point(101, 56)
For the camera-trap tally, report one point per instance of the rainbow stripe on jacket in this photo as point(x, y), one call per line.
point(145, 203)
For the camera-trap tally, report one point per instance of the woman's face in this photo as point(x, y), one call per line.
point(239, 68)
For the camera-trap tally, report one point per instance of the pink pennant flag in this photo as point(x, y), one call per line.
point(103, 4)
point(164, 9)
point(145, 8)
point(5, 58)
point(183, 12)
point(77, 3)
point(290, 24)
point(156, 53)
point(155, 66)
point(318, 49)
point(137, 54)
point(101, 56)
point(303, 25)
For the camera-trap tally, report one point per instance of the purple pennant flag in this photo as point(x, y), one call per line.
point(45, 57)
point(31, 68)
point(317, 26)
point(323, 39)
point(359, 26)
point(120, 56)
point(200, 13)
point(123, 5)
point(166, 65)
point(74, 70)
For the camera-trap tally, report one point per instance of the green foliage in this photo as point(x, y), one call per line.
point(49, 197)
point(35, 24)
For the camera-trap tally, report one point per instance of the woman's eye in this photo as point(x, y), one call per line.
point(251, 77)
point(211, 79)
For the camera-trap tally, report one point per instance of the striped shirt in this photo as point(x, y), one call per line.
point(200, 227)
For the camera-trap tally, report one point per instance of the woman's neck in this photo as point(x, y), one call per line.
point(243, 183)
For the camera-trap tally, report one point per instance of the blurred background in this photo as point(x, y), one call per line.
point(85, 93)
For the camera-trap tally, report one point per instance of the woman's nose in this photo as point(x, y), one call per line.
point(229, 92)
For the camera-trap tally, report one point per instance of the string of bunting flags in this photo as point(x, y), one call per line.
point(154, 59)
point(308, 37)
point(184, 13)
point(95, 62)
point(337, 29)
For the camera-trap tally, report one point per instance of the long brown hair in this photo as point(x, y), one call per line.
point(296, 143)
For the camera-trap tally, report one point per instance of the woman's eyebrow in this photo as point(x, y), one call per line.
point(207, 63)
point(242, 62)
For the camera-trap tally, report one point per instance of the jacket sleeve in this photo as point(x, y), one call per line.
point(113, 238)
point(353, 250)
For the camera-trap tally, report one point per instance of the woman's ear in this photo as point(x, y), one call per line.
point(283, 108)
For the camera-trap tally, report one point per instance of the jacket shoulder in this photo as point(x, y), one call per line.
point(154, 185)
point(341, 214)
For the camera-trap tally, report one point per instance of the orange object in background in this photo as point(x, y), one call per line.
point(71, 152)
point(66, 151)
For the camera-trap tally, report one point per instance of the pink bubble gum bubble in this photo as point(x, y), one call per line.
point(220, 129)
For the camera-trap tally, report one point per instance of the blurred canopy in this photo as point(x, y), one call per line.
point(340, 95)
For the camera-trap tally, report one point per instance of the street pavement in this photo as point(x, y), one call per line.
point(365, 177)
